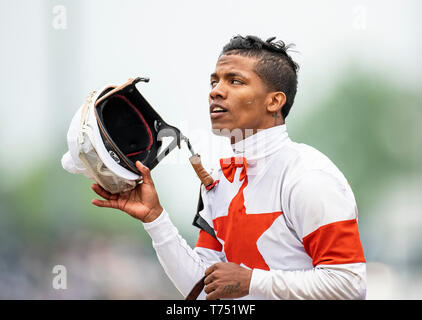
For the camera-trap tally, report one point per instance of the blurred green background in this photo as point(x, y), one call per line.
point(359, 102)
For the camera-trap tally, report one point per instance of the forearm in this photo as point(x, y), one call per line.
point(183, 265)
point(346, 281)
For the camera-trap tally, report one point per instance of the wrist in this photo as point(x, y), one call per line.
point(248, 277)
point(153, 214)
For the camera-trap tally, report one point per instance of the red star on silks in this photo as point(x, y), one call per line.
point(240, 230)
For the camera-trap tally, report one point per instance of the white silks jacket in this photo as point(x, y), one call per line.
point(285, 211)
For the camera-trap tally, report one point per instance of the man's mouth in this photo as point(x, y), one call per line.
point(217, 108)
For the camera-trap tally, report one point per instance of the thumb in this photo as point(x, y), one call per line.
point(146, 174)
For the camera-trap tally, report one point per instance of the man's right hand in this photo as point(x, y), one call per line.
point(141, 203)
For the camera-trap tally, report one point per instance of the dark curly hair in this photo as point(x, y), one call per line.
point(274, 66)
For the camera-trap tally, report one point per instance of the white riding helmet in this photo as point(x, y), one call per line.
point(113, 129)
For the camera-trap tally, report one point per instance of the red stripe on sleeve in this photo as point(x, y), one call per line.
point(205, 240)
point(335, 243)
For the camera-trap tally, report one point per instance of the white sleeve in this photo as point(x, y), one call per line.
point(183, 265)
point(347, 281)
point(322, 210)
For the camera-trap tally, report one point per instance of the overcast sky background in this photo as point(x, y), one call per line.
point(48, 65)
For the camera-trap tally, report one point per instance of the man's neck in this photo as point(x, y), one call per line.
point(246, 133)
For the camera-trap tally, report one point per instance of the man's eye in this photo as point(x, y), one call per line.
point(213, 83)
point(235, 81)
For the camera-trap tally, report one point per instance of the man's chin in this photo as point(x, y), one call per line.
point(224, 132)
point(220, 130)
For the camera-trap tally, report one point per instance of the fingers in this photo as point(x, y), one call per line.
point(211, 269)
point(146, 174)
point(213, 295)
point(226, 280)
point(108, 203)
point(208, 279)
point(103, 203)
point(210, 284)
point(210, 287)
point(210, 291)
point(100, 191)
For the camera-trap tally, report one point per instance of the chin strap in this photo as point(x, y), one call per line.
point(209, 183)
point(196, 163)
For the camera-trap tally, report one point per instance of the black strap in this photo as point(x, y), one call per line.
point(196, 290)
point(200, 222)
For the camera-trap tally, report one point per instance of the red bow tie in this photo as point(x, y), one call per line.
point(229, 166)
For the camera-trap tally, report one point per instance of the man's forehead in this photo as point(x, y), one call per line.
point(234, 63)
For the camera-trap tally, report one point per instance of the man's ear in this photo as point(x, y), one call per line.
point(276, 100)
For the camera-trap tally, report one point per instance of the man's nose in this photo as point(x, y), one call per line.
point(218, 92)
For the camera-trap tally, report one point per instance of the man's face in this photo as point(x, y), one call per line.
point(238, 96)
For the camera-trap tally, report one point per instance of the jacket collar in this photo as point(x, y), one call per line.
point(262, 144)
